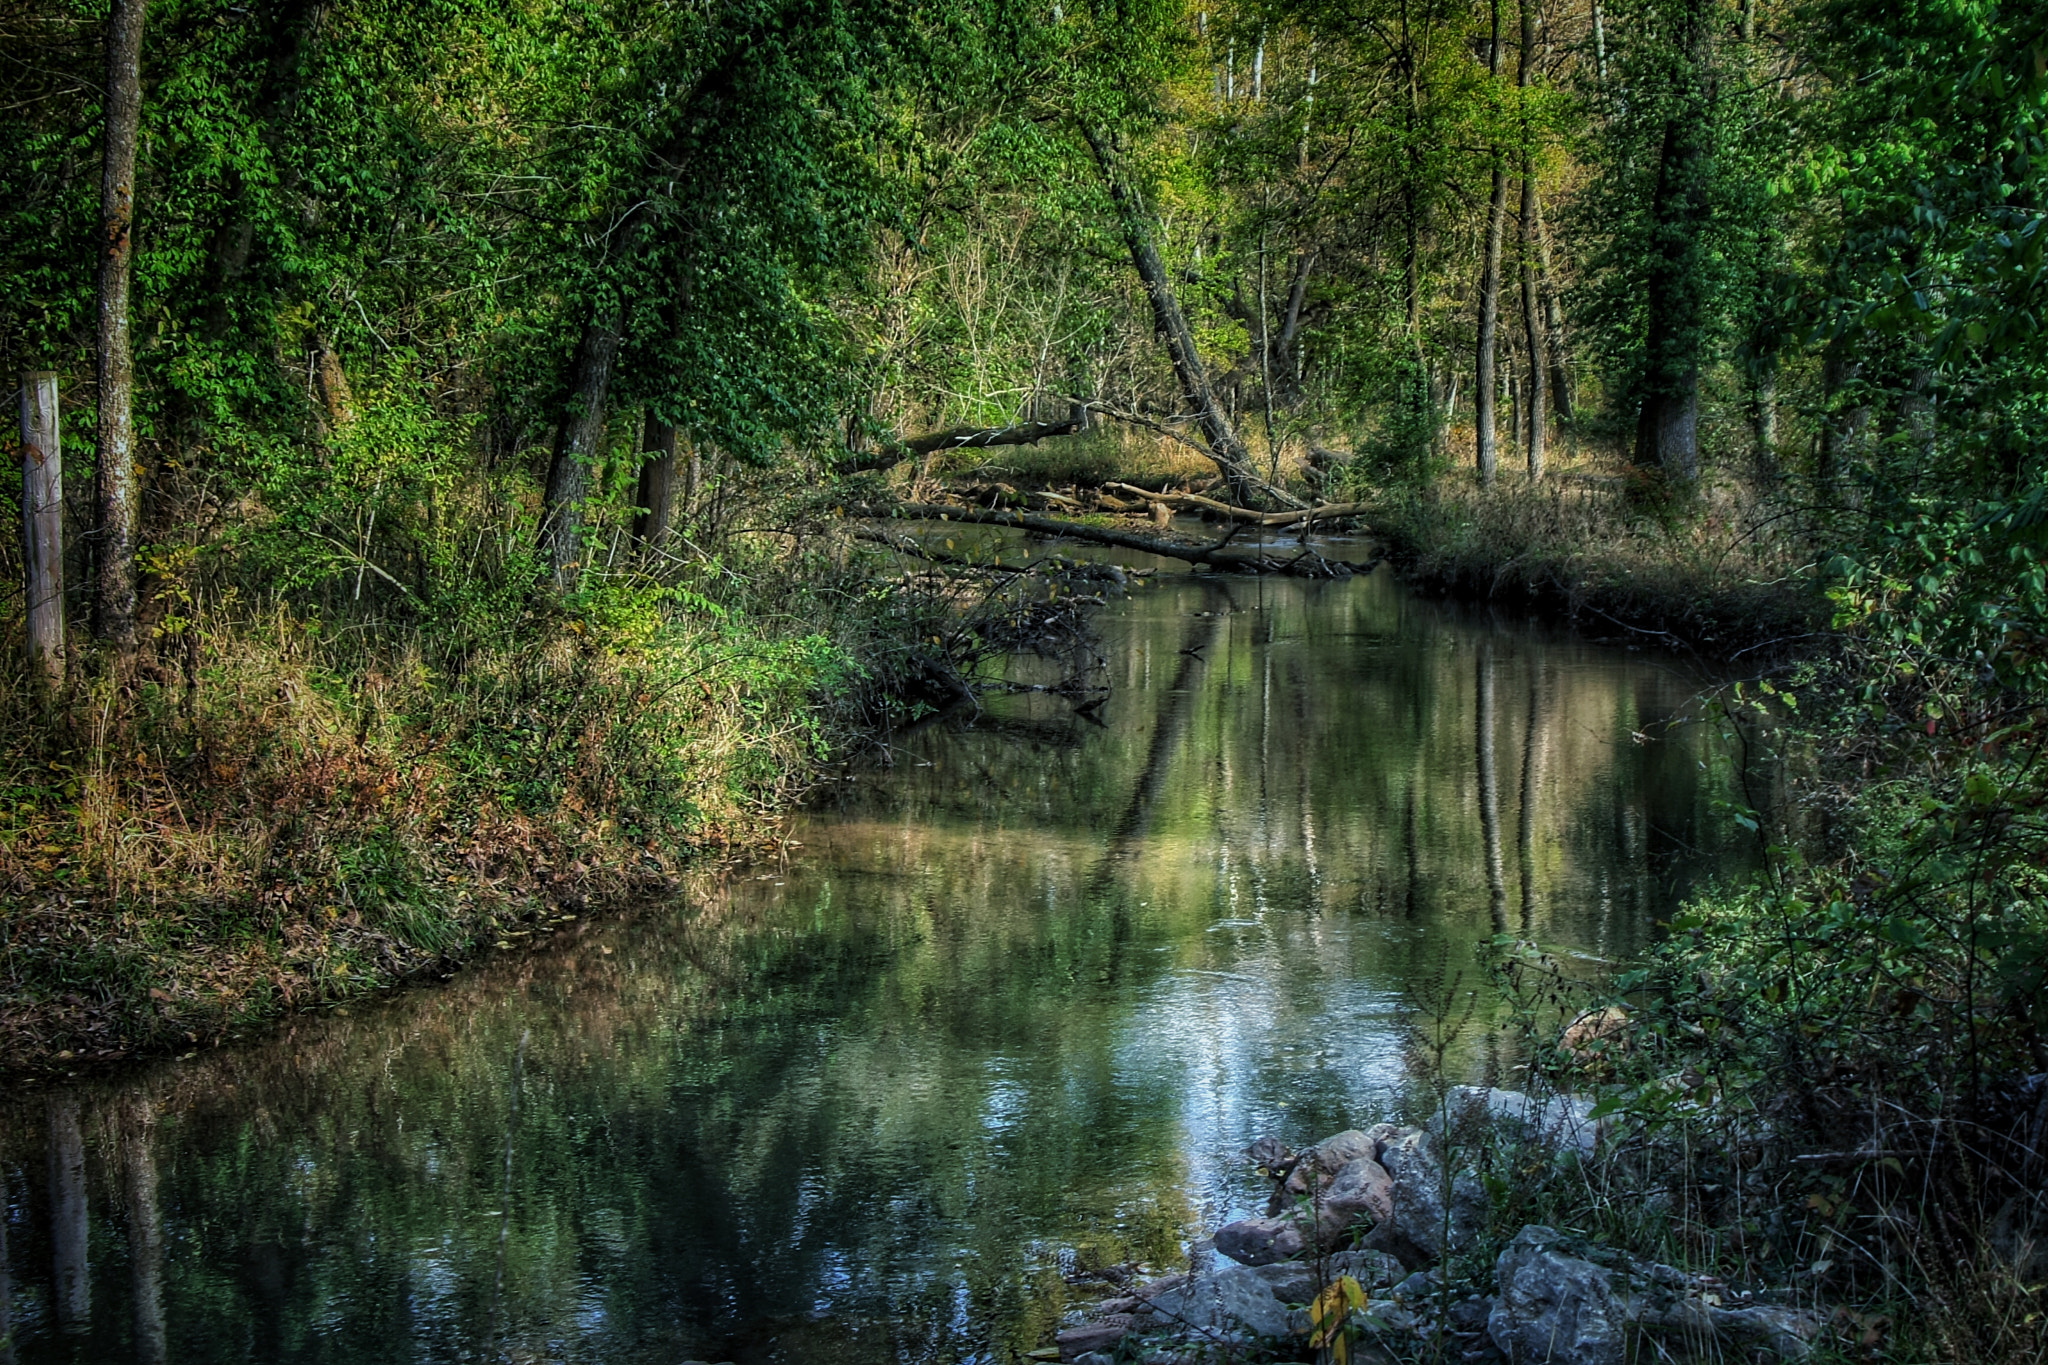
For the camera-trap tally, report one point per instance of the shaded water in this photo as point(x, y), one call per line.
point(1018, 999)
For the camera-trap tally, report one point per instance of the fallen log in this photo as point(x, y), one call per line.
point(1329, 511)
point(1303, 562)
point(892, 453)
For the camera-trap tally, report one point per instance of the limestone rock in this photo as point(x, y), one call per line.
point(1421, 1227)
point(1234, 1302)
point(1564, 1301)
point(1565, 1122)
point(1262, 1241)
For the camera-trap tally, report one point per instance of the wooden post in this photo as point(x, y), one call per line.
point(42, 524)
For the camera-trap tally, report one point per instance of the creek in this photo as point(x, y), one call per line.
point(1022, 990)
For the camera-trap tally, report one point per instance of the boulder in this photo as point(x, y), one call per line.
point(1420, 1228)
point(1320, 1163)
point(1565, 1122)
point(1095, 1336)
point(1362, 1187)
point(1235, 1302)
point(1262, 1241)
point(1564, 1301)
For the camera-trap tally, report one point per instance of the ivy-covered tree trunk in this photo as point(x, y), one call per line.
point(114, 537)
point(1667, 429)
point(579, 441)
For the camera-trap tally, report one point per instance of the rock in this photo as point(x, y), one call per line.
point(1555, 1306)
point(1420, 1229)
point(1321, 1163)
point(1563, 1121)
point(1564, 1301)
point(1595, 1033)
point(1420, 1285)
point(1262, 1241)
point(1469, 1316)
point(1294, 1282)
point(1362, 1187)
point(1234, 1302)
point(1095, 1336)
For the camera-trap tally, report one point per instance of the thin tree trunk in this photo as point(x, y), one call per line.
point(1485, 384)
point(579, 442)
point(657, 482)
point(71, 1287)
point(1765, 414)
point(1553, 318)
point(114, 588)
point(42, 525)
point(1225, 449)
point(1532, 230)
point(1667, 432)
point(145, 1232)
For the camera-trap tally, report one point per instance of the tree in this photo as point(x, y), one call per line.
point(117, 497)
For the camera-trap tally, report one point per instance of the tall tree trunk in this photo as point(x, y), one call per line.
point(1764, 413)
point(1485, 383)
point(579, 442)
point(1532, 230)
point(1225, 449)
point(1667, 431)
point(114, 588)
point(42, 525)
point(1553, 322)
point(145, 1231)
point(657, 482)
point(71, 1281)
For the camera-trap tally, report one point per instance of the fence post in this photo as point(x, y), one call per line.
point(42, 524)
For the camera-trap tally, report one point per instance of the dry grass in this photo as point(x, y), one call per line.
point(1721, 572)
point(294, 824)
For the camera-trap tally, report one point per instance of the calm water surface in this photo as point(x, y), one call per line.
point(1016, 1002)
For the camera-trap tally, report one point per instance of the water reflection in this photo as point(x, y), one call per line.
point(1027, 988)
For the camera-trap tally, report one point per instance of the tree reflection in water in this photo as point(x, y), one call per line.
point(1027, 989)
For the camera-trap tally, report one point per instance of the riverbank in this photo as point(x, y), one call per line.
point(1719, 580)
point(294, 828)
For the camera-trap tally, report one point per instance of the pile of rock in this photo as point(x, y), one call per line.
point(1378, 1205)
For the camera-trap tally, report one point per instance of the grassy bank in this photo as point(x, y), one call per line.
point(1723, 576)
point(307, 815)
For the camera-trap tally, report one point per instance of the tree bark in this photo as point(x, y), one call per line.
point(1225, 449)
point(657, 482)
point(1485, 382)
point(71, 1287)
point(1532, 229)
point(579, 443)
point(114, 587)
point(42, 525)
point(1667, 431)
point(1553, 322)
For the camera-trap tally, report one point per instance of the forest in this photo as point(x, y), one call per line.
point(477, 463)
